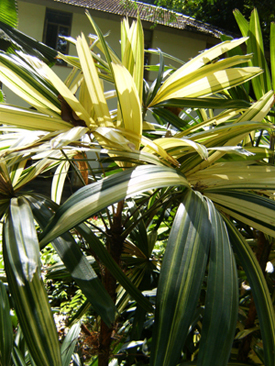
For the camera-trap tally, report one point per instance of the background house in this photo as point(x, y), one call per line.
point(44, 20)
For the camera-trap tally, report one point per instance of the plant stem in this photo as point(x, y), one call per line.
point(114, 246)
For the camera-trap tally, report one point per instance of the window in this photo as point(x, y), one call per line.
point(57, 24)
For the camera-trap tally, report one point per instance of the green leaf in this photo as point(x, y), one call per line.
point(103, 43)
point(27, 83)
point(233, 363)
point(17, 357)
point(258, 110)
point(244, 333)
point(12, 39)
point(94, 197)
point(22, 265)
point(259, 289)
point(242, 22)
point(219, 103)
point(139, 233)
point(180, 279)
point(243, 205)
point(105, 257)
point(69, 343)
point(261, 84)
point(243, 175)
point(59, 180)
point(208, 80)
point(272, 53)
point(22, 246)
point(178, 147)
point(240, 92)
point(168, 116)
point(129, 102)
point(221, 309)
point(101, 111)
point(6, 188)
point(152, 91)
point(132, 51)
point(196, 65)
point(8, 12)
point(30, 119)
point(6, 330)
point(75, 261)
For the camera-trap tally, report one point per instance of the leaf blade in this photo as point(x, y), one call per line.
point(259, 289)
point(93, 198)
point(221, 309)
point(26, 286)
point(182, 271)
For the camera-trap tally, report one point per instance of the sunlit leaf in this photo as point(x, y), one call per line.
point(94, 197)
point(8, 12)
point(68, 96)
point(209, 84)
point(58, 181)
point(261, 84)
point(33, 120)
point(243, 205)
point(128, 100)
point(174, 143)
point(203, 59)
point(100, 107)
point(242, 22)
point(258, 110)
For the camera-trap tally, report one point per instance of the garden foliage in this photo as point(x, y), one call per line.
point(170, 234)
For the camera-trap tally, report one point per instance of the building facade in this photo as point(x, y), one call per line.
point(44, 20)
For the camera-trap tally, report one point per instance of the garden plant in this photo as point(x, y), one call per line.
point(170, 235)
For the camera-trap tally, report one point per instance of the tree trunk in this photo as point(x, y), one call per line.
point(114, 246)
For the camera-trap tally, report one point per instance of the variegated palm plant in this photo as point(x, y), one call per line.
point(187, 182)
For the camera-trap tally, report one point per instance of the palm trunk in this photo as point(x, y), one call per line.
point(114, 246)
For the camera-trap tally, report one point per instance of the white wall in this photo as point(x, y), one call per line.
point(31, 19)
point(183, 45)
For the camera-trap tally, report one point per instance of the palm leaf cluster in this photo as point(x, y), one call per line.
point(197, 182)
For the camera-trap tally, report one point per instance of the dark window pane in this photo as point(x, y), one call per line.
point(59, 17)
point(148, 34)
point(57, 24)
point(51, 35)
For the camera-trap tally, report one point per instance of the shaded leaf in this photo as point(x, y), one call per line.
point(221, 303)
point(69, 343)
point(6, 330)
point(22, 265)
point(75, 261)
point(180, 279)
point(105, 257)
point(259, 289)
